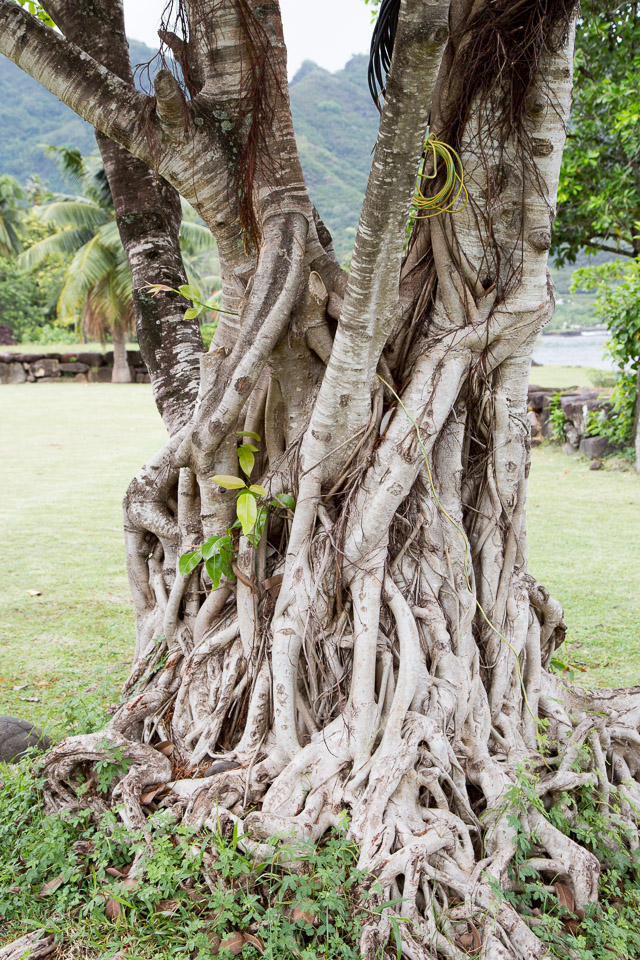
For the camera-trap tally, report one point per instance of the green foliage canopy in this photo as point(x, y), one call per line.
point(83, 234)
point(599, 195)
point(617, 287)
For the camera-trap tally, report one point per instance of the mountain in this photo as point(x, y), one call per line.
point(335, 122)
point(31, 117)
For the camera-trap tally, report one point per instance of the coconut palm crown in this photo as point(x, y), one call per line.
point(97, 289)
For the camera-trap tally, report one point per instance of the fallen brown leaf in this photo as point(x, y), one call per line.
point(303, 916)
point(166, 747)
point(255, 942)
point(112, 908)
point(152, 792)
point(273, 584)
point(471, 941)
point(565, 896)
point(167, 907)
point(50, 887)
point(234, 942)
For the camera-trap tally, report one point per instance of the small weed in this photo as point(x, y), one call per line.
point(69, 873)
point(557, 417)
point(602, 930)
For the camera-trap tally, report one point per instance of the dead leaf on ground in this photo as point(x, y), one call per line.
point(152, 792)
point(234, 943)
point(273, 584)
point(300, 915)
point(167, 907)
point(565, 896)
point(255, 942)
point(471, 941)
point(112, 908)
point(50, 887)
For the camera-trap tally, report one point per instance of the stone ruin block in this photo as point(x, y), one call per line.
point(12, 373)
point(45, 368)
point(76, 367)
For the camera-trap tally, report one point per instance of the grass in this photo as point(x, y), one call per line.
point(584, 530)
point(67, 454)
point(561, 377)
point(72, 348)
point(66, 457)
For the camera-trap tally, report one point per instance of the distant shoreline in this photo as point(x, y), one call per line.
point(573, 333)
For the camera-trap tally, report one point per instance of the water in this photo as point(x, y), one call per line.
point(584, 350)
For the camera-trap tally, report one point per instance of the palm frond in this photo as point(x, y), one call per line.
point(64, 244)
point(91, 264)
point(75, 212)
point(11, 197)
point(68, 160)
point(195, 237)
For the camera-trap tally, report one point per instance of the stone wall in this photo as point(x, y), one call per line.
point(79, 365)
point(577, 405)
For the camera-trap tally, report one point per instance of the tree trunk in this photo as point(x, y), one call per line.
point(148, 214)
point(121, 370)
point(374, 642)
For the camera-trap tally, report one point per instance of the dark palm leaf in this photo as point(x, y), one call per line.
point(382, 41)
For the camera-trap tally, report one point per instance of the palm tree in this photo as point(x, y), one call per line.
point(97, 283)
point(11, 212)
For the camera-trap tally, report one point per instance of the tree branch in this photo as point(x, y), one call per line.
point(93, 92)
point(148, 214)
point(372, 294)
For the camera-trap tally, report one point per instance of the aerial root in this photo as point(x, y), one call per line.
point(32, 946)
point(143, 764)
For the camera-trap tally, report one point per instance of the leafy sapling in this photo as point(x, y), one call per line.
point(198, 304)
point(251, 513)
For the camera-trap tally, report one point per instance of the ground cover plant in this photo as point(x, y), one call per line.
point(380, 653)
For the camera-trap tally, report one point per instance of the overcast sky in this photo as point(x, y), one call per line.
point(329, 32)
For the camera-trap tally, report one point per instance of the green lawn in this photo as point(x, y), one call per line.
point(584, 532)
point(67, 453)
point(561, 377)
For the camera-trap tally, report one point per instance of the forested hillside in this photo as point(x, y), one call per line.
point(336, 125)
point(31, 117)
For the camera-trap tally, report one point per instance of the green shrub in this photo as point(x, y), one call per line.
point(602, 378)
point(557, 417)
